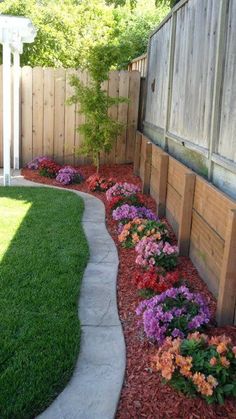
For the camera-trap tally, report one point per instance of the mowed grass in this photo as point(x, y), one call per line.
point(43, 254)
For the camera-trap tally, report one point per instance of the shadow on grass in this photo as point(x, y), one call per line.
point(40, 277)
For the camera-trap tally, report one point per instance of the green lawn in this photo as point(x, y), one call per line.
point(43, 254)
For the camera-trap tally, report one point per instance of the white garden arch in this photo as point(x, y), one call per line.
point(14, 32)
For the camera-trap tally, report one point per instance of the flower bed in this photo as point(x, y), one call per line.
point(143, 394)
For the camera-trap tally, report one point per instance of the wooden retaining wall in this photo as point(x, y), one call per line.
point(48, 125)
point(203, 218)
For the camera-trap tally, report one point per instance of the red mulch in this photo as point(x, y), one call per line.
point(143, 395)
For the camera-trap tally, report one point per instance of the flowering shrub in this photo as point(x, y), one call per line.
point(138, 228)
point(98, 183)
point(199, 365)
point(175, 312)
point(151, 282)
point(160, 254)
point(48, 168)
point(68, 174)
point(127, 212)
point(136, 200)
point(34, 164)
point(122, 189)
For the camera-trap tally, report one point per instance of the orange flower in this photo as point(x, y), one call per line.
point(198, 336)
point(213, 361)
point(224, 361)
point(157, 236)
point(216, 340)
point(185, 364)
point(164, 362)
point(222, 347)
point(212, 381)
point(202, 385)
point(140, 228)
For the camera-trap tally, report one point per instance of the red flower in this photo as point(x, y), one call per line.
point(153, 281)
point(49, 168)
point(97, 183)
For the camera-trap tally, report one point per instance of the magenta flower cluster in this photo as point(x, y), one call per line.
point(129, 212)
point(122, 189)
point(34, 164)
point(68, 174)
point(152, 253)
point(175, 312)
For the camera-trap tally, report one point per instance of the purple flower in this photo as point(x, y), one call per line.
point(34, 164)
point(176, 333)
point(129, 212)
point(68, 174)
point(160, 317)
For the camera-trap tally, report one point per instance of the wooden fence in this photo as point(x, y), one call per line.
point(140, 64)
point(203, 218)
point(48, 125)
point(191, 88)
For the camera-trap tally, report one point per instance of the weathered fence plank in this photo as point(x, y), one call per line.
point(122, 117)
point(59, 121)
point(113, 91)
point(48, 120)
point(69, 150)
point(27, 115)
point(38, 95)
point(133, 106)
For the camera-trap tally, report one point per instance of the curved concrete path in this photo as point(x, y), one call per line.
point(94, 389)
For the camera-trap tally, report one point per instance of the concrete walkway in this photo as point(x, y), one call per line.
point(94, 389)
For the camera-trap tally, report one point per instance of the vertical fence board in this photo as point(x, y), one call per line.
point(79, 120)
point(27, 114)
point(113, 90)
point(69, 121)
point(59, 120)
point(38, 111)
point(48, 126)
point(133, 106)
point(122, 117)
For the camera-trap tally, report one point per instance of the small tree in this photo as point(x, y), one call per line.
point(99, 129)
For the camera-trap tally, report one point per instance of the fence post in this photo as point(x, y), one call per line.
point(147, 167)
point(162, 184)
point(137, 152)
point(186, 214)
point(227, 289)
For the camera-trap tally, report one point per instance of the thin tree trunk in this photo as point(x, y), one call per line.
point(98, 161)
